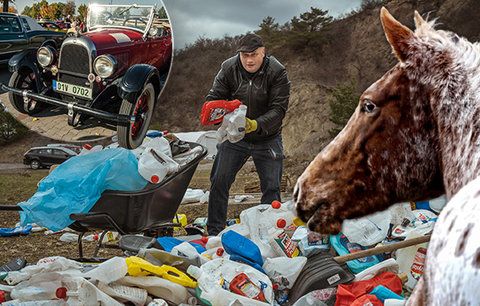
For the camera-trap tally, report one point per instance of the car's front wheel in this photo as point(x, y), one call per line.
point(131, 136)
point(25, 80)
point(35, 164)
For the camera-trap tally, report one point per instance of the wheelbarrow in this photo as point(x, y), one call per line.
point(149, 211)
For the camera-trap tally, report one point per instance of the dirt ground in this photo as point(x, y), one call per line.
point(19, 185)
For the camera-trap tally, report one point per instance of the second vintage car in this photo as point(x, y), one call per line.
point(114, 72)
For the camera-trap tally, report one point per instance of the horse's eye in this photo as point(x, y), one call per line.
point(369, 106)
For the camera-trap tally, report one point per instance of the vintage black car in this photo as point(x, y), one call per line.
point(41, 157)
point(18, 33)
point(114, 72)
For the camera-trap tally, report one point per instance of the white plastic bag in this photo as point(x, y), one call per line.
point(284, 271)
point(192, 196)
point(368, 230)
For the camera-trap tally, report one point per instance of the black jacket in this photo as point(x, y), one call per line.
point(265, 93)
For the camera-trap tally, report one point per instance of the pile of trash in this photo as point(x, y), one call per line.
point(82, 179)
point(268, 256)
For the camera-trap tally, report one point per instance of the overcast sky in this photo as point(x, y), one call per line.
point(215, 18)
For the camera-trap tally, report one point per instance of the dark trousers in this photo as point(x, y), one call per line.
point(268, 159)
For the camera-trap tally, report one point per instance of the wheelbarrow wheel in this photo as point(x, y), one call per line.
point(25, 80)
point(131, 136)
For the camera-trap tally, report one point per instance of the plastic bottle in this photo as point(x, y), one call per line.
point(236, 244)
point(393, 302)
point(87, 149)
point(213, 242)
point(34, 303)
point(383, 293)
point(159, 144)
point(242, 285)
point(42, 290)
point(140, 267)
point(236, 124)
point(214, 273)
point(160, 257)
point(152, 167)
point(123, 293)
point(411, 260)
point(282, 243)
point(109, 271)
point(158, 287)
point(78, 291)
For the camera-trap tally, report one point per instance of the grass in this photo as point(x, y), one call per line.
point(18, 187)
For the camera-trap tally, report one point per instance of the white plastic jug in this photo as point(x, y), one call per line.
point(159, 144)
point(78, 292)
point(137, 296)
point(211, 274)
point(109, 271)
point(158, 287)
point(411, 260)
point(236, 124)
point(155, 166)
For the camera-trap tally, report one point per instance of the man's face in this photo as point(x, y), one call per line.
point(252, 61)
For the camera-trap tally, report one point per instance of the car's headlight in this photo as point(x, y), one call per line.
point(105, 65)
point(46, 55)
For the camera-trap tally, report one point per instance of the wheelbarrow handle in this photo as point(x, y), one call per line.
point(10, 207)
point(382, 249)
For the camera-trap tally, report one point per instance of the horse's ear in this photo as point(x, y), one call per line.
point(419, 21)
point(397, 34)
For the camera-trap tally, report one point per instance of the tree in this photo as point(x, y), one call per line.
point(268, 26)
point(342, 101)
point(162, 13)
point(311, 21)
point(69, 9)
point(82, 12)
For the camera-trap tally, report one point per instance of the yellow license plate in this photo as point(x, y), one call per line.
point(75, 90)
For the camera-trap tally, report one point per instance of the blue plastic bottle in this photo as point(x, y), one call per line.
point(383, 293)
point(236, 244)
point(342, 246)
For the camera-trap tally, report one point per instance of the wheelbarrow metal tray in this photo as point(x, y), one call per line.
point(135, 212)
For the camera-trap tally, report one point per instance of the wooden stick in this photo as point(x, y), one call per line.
point(382, 249)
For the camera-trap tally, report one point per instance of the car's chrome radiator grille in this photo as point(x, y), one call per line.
point(75, 58)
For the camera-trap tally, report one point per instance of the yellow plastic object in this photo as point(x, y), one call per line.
point(140, 267)
point(298, 222)
point(182, 219)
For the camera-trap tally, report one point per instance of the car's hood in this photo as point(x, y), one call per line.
point(108, 38)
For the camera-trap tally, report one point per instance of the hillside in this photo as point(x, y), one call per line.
point(354, 49)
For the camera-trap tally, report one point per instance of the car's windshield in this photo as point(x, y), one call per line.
point(131, 16)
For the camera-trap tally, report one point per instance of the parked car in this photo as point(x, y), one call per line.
point(41, 157)
point(18, 33)
point(114, 72)
point(52, 26)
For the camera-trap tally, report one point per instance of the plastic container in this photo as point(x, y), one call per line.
point(342, 246)
point(159, 144)
point(368, 230)
point(389, 265)
point(109, 271)
point(236, 244)
point(394, 302)
point(152, 167)
point(283, 271)
point(79, 291)
point(124, 293)
point(310, 243)
point(213, 242)
point(282, 243)
point(140, 267)
point(236, 124)
point(158, 287)
point(168, 243)
point(383, 293)
point(242, 285)
point(34, 303)
point(411, 260)
point(87, 149)
point(39, 287)
point(215, 273)
point(160, 257)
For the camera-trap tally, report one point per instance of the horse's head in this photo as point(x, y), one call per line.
point(389, 150)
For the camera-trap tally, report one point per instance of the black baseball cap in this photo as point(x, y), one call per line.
point(250, 42)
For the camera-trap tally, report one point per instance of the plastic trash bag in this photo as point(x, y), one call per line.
point(77, 184)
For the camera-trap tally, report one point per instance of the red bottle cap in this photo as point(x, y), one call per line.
point(61, 293)
point(165, 132)
point(276, 204)
point(154, 179)
point(3, 298)
point(87, 146)
point(275, 287)
point(220, 251)
point(204, 239)
point(281, 223)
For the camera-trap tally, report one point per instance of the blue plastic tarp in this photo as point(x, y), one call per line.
point(77, 184)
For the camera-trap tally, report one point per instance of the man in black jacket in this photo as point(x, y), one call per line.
point(261, 83)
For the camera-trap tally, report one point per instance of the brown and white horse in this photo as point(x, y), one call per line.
point(414, 135)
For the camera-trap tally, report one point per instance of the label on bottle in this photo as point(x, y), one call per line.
point(242, 285)
point(418, 263)
point(285, 246)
